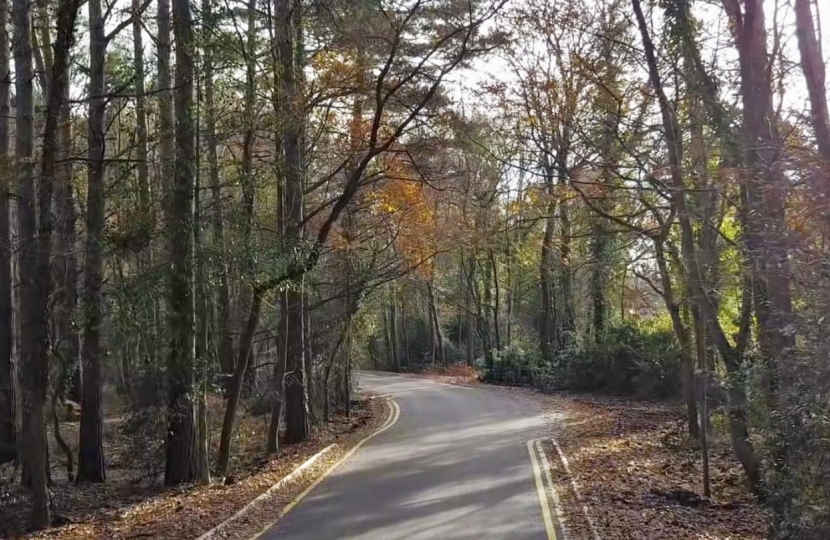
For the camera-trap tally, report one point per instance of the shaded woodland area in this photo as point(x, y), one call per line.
point(243, 202)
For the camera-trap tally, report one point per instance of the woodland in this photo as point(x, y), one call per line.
point(243, 202)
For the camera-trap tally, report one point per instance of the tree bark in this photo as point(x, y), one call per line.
point(225, 338)
point(440, 355)
point(546, 322)
point(235, 388)
point(34, 339)
point(687, 363)
point(812, 65)
point(91, 466)
point(9, 390)
point(766, 189)
point(182, 465)
point(296, 393)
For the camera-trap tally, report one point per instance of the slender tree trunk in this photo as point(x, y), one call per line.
point(33, 328)
point(91, 466)
point(440, 356)
point(468, 309)
point(235, 389)
point(681, 332)
point(65, 262)
point(202, 336)
point(9, 391)
point(407, 353)
point(142, 152)
point(35, 262)
point(812, 65)
point(496, 300)
point(225, 338)
point(182, 464)
point(296, 393)
point(546, 322)
point(393, 330)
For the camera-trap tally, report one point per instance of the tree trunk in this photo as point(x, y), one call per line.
point(440, 356)
point(182, 465)
point(272, 444)
point(9, 391)
point(296, 394)
point(225, 338)
point(393, 330)
point(681, 332)
point(496, 300)
point(202, 337)
point(33, 287)
point(65, 261)
point(142, 152)
point(235, 388)
point(741, 444)
point(766, 192)
point(812, 65)
point(91, 448)
point(546, 322)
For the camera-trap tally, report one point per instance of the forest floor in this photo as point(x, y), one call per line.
point(636, 473)
point(134, 504)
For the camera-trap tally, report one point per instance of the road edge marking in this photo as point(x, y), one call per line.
point(541, 493)
point(557, 503)
point(278, 484)
point(394, 414)
point(591, 524)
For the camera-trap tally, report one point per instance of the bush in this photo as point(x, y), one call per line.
point(630, 360)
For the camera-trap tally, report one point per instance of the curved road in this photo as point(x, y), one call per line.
point(455, 465)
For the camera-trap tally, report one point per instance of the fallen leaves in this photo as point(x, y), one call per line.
point(640, 479)
point(121, 510)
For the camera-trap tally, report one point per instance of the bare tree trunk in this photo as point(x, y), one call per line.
point(142, 153)
point(546, 322)
point(182, 464)
point(296, 395)
point(35, 262)
point(393, 330)
point(496, 299)
point(681, 332)
point(91, 453)
point(202, 336)
point(34, 332)
point(65, 261)
point(225, 338)
point(235, 388)
point(766, 191)
point(9, 397)
point(441, 357)
point(812, 65)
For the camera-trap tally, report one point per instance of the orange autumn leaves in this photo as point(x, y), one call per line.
point(408, 206)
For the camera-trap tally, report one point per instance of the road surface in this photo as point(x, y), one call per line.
point(455, 465)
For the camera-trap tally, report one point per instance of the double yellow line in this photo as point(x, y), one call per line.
point(544, 485)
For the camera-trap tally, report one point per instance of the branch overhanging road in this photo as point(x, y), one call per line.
point(455, 465)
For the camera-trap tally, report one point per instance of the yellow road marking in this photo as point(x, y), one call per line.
point(540, 490)
point(393, 417)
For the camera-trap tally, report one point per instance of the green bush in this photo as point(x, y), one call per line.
point(630, 360)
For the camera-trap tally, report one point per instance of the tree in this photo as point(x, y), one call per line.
point(181, 465)
point(91, 453)
point(9, 391)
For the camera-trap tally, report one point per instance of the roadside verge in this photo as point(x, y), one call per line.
point(259, 515)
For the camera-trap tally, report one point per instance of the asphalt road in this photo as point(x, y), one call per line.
point(455, 465)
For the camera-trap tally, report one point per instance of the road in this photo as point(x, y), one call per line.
point(455, 465)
